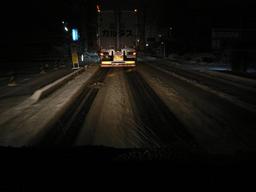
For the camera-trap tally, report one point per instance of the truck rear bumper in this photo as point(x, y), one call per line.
point(118, 64)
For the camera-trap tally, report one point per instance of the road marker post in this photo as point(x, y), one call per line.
point(74, 54)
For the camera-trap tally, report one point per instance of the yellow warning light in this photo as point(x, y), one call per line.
point(106, 62)
point(129, 62)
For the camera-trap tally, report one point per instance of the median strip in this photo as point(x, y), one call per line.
point(32, 121)
point(48, 89)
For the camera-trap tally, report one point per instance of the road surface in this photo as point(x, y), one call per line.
point(154, 106)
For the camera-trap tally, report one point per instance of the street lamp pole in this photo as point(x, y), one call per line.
point(137, 26)
point(163, 48)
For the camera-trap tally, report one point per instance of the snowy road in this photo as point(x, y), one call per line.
point(127, 113)
point(117, 108)
point(147, 107)
point(241, 91)
point(155, 105)
point(207, 106)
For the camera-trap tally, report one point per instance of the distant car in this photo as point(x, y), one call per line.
point(91, 57)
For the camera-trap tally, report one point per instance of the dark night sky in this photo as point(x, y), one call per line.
point(25, 19)
point(22, 21)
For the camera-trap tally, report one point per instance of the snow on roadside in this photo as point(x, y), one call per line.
point(182, 62)
point(24, 123)
point(147, 58)
point(210, 67)
point(200, 66)
point(234, 78)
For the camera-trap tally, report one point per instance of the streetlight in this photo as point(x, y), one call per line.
point(65, 26)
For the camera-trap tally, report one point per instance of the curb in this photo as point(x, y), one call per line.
point(48, 124)
point(48, 89)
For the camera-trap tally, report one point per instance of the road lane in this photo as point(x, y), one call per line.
point(110, 120)
point(219, 126)
point(128, 114)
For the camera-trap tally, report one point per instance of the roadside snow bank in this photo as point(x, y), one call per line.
point(200, 61)
point(147, 58)
point(234, 78)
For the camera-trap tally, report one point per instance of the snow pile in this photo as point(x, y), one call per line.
point(199, 61)
point(195, 58)
point(202, 58)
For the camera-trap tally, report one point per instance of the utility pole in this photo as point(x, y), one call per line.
point(142, 26)
point(164, 48)
point(99, 30)
point(137, 28)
